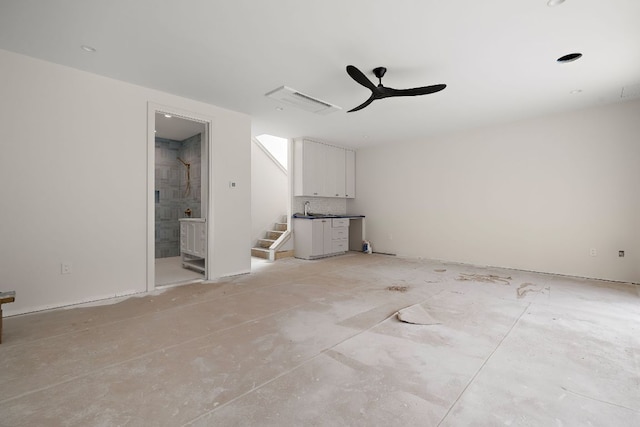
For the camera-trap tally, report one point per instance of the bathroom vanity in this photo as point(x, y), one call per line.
point(193, 243)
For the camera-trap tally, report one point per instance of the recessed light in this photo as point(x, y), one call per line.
point(552, 3)
point(87, 48)
point(168, 116)
point(280, 109)
point(573, 92)
point(569, 58)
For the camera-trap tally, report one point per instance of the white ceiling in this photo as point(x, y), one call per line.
point(496, 56)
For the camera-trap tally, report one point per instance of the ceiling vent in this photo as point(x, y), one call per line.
point(630, 91)
point(297, 99)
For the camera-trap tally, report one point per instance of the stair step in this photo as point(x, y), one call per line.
point(265, 243)
point(264, 253)
point(281, 226)
point(273, 234)
point(260, 253)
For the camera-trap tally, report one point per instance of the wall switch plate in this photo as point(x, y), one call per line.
point(65, 268)
point(621, 254)
point(593, 252)
point(232, 184)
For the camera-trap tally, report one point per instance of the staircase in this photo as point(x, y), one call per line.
point(264, 247)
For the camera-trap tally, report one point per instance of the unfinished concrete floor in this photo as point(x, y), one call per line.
point(316, 343)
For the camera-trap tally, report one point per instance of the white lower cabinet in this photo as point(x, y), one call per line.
point(317, 238)
point(193, 243)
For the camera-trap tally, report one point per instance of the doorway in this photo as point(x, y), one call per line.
point(178, 200)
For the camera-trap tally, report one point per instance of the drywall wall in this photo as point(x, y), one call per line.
point(74, 174)
point(533, 195)
point(269, 192)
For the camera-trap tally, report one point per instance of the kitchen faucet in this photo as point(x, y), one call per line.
point(307, 207)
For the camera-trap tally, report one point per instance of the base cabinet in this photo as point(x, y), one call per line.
point(317, 238)
point(193, 243)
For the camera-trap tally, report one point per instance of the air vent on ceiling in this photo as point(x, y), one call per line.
point(630, 91)
point(298, 99)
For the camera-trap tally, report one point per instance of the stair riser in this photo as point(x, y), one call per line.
point(259, 254)
point(273, 235)
point(264, 243)
point(280, 227)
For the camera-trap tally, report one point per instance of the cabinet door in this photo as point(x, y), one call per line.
point(317, 237)
point(309, 168)
point(326, 236)
point(314, 160)
point(350, 174)
point(335, 172)
point(191, 239)
point(200, 239)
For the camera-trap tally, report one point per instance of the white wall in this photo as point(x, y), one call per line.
point(73, 168)
point(534, 195)
point(269, 192)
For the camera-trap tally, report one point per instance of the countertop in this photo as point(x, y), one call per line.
point(324, 216)
point(192, 219)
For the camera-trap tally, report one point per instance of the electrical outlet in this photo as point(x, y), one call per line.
point(65, 268)
point(621, 254)
point(593, 252)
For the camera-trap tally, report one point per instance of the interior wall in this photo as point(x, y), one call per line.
point(533, 195)
point(73, 142)
point(269, 193)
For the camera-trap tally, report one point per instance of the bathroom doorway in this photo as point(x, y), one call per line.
point(178, 178)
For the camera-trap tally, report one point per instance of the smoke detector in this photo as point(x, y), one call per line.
point(300, 100)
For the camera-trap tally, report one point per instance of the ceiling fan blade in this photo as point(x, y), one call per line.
point(359, 76)
point(425, 90)
point(364, 104)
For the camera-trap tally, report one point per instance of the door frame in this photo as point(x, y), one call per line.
point(206, 183)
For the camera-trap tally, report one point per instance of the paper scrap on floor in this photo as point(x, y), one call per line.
point(417, 315)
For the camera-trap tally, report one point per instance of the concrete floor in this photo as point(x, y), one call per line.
point(308, 343)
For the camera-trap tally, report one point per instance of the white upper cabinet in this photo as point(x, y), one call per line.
point(309, 169)
point(335, 171)
point(350, 174)
point(321, 170)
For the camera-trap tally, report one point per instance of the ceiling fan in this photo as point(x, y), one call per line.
point(380, 91)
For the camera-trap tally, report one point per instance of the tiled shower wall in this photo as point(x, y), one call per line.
point(171, 196)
